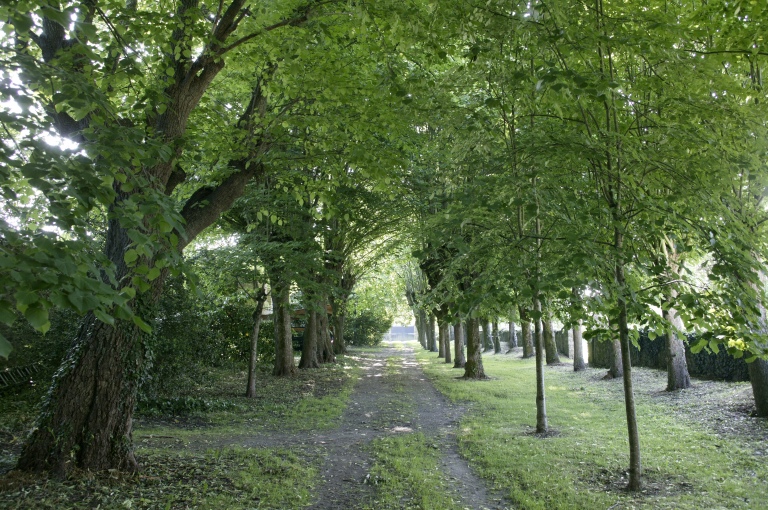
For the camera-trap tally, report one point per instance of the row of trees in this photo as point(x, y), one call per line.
point(603, 163)
point(591, 161)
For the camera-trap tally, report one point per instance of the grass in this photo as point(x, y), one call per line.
point(406, 473)
point(192, 457)
point(688, 463)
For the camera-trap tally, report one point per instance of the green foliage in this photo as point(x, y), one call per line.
point(366, 327)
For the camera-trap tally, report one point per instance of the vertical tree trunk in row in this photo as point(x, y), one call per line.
point(578, 349)
point(431, 334)
point(250, 388)
point(677, 368)
point(473, 367)
point(442, 340)
point(325, 347)
point(421, 329)
point(549, 343)
point(617, 369)
point(527, 338)
point(446, 334)
point(486, 335)
point(496, 338)
point(339, 343)
point(512, 336)
point(458, 345)
point(309, 348)
point(284, 364)
point(758, 376)
point(542, 425)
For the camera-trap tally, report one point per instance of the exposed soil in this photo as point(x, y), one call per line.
point(393, 396)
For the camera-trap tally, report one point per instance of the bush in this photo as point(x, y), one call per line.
point(366, 327)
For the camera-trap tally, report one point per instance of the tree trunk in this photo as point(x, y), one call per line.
point(458, 346)
point(446, 334)
point(421, 329)
point(486, 331)
point(617, 368)
point(549, 344)
point(441, 340)
point(250, 388)
point(473, 368)
point(527, 340)
point(431, 340)
point(542, 427)
point(578, 349)
point(339, 344)
point(758, 376)
point(309, 348)
point(324, 338)
point(677, 367)
point(86, 419)
point(496, 338)
point(284, 364)
point(512, 336)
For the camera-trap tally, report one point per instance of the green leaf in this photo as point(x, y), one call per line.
point(5, 347)
point(104, 317)
point(153, 273)
point(131, 256)
point(146, 328)
point(7, 315)
point(38, 318)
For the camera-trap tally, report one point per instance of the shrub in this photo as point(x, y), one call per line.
point(366, 327)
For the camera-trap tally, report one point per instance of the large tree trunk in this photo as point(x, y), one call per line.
point(496, 338)
point(458, 345)
point(542, 426)
point(86, 421)
point(309, 348)
point(284, 364)
point(527, 340)
point(578, 349)
point(677, 368)
point(549, 344)
point(473, 367)
point(250, 388)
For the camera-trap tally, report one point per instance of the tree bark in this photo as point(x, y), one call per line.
point(284, 364)
point(527, 340)
point(431, 337)
point(87, 418)
point(617, 368)
point(441, 340)
point(550, 346)
point(473, 367)
point(677, 368)
point(578, 349)
point(486, 332)
point(458, 345)
point(512, 336)
point(309, 348)
point(339, 344)
point(421, 329)
point(445, 333)
point(324, 338)
point(250, 389)
point(758, 376)
point(496, 338)
point(542, 426)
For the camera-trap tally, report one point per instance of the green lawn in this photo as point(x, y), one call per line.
point(687, 462)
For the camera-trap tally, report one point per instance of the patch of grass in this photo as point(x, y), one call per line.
point(687, 464)
point(407, 475)
point(229, 478)
point(310, 400)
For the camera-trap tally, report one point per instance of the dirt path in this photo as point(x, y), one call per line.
point(393, 397)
